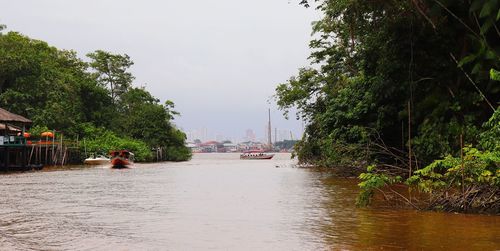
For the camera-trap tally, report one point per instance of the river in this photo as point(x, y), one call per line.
point(217, 202)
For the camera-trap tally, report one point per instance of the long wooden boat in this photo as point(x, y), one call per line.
point(121, 159)
point(256, 155)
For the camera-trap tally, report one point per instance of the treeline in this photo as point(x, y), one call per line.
point(408, 90)
point(93, 102)
point(285, 144)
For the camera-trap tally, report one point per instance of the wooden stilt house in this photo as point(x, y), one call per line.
point(13, 145)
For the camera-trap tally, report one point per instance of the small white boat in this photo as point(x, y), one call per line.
point(256, 155)
point(97, 160)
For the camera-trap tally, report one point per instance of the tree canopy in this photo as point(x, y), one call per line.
point(93, 100)
point(111, 72)
point(396, 84)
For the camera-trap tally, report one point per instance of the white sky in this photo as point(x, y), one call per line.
point(218, 60)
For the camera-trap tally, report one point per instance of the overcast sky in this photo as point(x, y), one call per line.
point(218, 60)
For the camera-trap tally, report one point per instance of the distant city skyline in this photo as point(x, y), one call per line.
point(205, 135)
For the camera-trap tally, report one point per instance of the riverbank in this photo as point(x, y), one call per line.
point(378, 190)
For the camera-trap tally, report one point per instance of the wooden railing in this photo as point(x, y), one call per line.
point(12, 141)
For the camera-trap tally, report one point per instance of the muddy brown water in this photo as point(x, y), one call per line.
point(217, 202)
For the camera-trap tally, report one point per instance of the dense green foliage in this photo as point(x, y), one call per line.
point(285, 144)
point(102, 141)
point(92, 101)
point(476, 168)
point(396, 84)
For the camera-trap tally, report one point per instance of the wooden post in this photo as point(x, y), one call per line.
point(463, 168)
point(409, 140)
point(46, 148)
point(62, 150)
point(409, 148)
point(7, 158)
point(31, 154)
point(64, 156)
point(53, 147)
point(24, 155)
point(85, 147)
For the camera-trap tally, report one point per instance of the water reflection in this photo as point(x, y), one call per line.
point(349, 227)
point(216, 202)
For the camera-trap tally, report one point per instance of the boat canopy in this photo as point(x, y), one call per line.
point(121, 153)
point(47, 134)
point(254, 151)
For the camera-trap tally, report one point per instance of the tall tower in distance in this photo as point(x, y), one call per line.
point(269, 143)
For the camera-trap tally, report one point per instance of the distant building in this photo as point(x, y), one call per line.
point(201, 134)
point(195, 148)
point(230, 147)
point(250, 145)
point(249, 135)
point(212, 147)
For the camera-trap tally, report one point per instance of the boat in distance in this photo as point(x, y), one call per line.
point(256, 155)
point(121, 159)
point(97, 160)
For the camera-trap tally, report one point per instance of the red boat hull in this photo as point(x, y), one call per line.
point(120, 162)
point(256, 156)
point(121, 158)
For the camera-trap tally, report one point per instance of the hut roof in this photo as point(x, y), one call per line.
point(6, 116)
point(11, 128)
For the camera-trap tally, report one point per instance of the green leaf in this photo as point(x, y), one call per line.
point(487, 9)
point(495, 75)
point(370, 168)
point(466, 60)
point(486, 26)
point(491, 55)
point(498, 15)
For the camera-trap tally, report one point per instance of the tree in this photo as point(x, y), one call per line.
point(146, 119)
point(371, 58)
point(57, 90)
point(111, 72)
point(41, 82)
point(397, 85)
point(19, 57)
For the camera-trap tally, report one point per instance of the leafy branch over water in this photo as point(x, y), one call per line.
point(396, 86)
